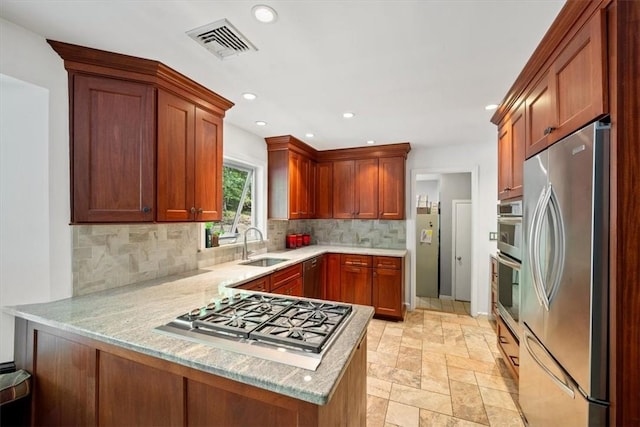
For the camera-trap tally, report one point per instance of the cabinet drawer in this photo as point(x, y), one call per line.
point(292, 288)
point(387, 262)
point(262, 284)
point(357, 260)
point(508, 345)
point(279, 278)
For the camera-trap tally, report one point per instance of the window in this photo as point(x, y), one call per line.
point(238, 211)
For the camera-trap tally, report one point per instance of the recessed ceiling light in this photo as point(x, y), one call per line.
point(264, 14)
point(250, 96)
point(261, 123)
point(491, 107)
point(371, 141)
point(309, 135)
point(348, 115)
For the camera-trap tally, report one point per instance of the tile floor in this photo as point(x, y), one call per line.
point(440, 367)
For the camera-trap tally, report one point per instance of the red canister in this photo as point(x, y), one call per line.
point(291, 241)
point(299, 240)
point(306, 239)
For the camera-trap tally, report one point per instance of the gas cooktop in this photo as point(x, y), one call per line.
point(297, 330)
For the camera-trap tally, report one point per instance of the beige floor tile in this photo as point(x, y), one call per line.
point(458, 350)
point(432, 339)
point(500, 417)
point(411, 342)
point(497, 398)
point(483, 355)
point(462, 375)
point(376, 411)
point(394, 329)
point(434, 419)
point(432, 327)
point(379, 388)
point(474, 365)
point(467, 402)
point(431, 357)
point(497, 382)
point(435, 378)
point(409, 359)
point(389, 344)
point(424, 399)
point(402, 415)
point(446, 324)
point(382, 358)
point(394, 375)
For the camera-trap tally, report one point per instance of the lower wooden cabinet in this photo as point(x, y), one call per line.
point(331, 286)
point(355, 285)
point(509, 347)
point(291, 288)
point(388, 286)
point(82, 382)
point(261, 284)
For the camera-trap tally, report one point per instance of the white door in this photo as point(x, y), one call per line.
point(461, 270)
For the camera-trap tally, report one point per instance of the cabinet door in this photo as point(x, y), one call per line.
point(541, 115)
point(332, 278)
point(366, 189)
point(176, 152)
point(311, 189)
point(344, 189)
point(504, 160)
point(292, 288)
point(391, 188)
point(387, 292)
point(113, 162)
point(578, 74)
point(518, 133)
point(294, 183)
point(262, 284)
point(303, 186)
point(208, 166)
point(355, 285)
point(324, 190)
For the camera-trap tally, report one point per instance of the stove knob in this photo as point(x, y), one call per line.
point(211, 306)
point(194, 312)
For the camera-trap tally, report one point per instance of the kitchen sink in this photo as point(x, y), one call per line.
point(264, 262)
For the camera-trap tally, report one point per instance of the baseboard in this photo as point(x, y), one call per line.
point(447, 297)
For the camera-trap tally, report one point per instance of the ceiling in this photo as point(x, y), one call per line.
point(417, 71)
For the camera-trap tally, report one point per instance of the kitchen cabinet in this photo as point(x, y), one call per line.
point(324, 190)
point(145, 141)
point(291, 170)
point(494, 286)
point(189, 170)
point(81, 381)
point(511, 154)
point(287, 281)
point(112, 150)
point(572, 92)
point(509, 347)
point(355, 189)
point(355, 279)
point(332, 278)
point(388, 287)
point(391, 173)
point(261, 284)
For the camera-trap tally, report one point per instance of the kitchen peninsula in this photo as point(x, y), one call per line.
point(97, 359)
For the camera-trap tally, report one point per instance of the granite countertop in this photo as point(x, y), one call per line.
point(126, 317)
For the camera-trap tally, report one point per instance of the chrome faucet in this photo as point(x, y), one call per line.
point(245, 252)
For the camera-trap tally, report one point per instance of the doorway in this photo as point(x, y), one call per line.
point(461, 259)
point(449, 184)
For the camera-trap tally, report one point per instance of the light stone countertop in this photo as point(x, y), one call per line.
point(126, 317)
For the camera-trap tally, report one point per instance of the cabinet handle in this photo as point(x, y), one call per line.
point(200, 211)
point(514, 360)
point(503, 340)
point(146, 209)
point(193, 210)
point(548, 130)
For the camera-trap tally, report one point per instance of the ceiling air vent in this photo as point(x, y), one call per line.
point(222, 39)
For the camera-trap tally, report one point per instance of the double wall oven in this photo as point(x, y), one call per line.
point(510, 249)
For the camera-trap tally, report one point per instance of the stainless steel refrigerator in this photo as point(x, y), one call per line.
point(563, 350)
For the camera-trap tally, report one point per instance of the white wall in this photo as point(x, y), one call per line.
point(429, 188)
point(477, 157)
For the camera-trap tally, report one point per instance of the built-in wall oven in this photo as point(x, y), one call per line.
point(510, 245)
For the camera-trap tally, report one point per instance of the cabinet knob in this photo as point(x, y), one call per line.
point(200, 211)
point(548, 130)
point(193, 210)
point(146, 209)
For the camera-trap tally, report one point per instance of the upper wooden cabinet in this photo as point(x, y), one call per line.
point(145, 141)
point(571, 92)
point(292, 179)
point(511, 148)
point(113, 155)
point(189, 161)
point(355, 189)
point(362, 183)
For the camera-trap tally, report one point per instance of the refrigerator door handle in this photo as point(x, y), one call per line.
point(536, 269)
point(565, 385)
point(558, 245)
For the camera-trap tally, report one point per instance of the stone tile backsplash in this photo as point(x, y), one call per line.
point(108, 256)
point(360, 233)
